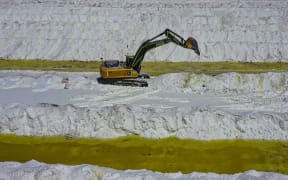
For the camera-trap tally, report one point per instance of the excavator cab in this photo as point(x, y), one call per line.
point(125, 73)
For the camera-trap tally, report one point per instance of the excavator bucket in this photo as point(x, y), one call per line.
point(191, 43)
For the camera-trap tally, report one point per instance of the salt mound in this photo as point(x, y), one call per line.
point(36, 171)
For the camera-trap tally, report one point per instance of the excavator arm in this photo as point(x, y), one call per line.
point(170, 36)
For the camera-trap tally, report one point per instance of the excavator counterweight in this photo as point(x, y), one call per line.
point(126, 73)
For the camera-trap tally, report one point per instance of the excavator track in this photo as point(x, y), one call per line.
point(123, 82)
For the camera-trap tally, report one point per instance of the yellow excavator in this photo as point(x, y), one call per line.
point(116, 72)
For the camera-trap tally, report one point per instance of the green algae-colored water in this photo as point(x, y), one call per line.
point(152, 68)
point(165, 155)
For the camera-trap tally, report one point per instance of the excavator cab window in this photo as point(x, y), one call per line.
point(111, 63)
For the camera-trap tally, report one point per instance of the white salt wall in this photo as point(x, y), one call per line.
point(227, 30)
point(202, 123)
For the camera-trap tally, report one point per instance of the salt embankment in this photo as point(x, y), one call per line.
point(120, 120)
point(227, 30)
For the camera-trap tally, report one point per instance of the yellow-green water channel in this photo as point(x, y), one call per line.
point(152, 68)
point(165, 155)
